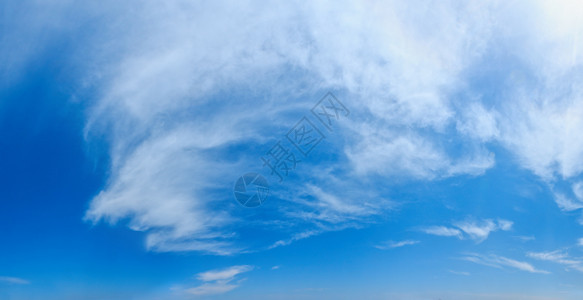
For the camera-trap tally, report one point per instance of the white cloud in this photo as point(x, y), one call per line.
point(225, 274)
point(392, 244)
point(211, 289)
point(409, 154)
point(404, 95)
point(578, 190)
point(502, 262)
point(480, 231)
point(544, 133)
point(540, 120)
point(158, 108)
point(524, 238)
point(580, 242)
point(13, 280)
point(335, 204)
point(175, 84)
point(296, 237)
point(504, 225)
point(443, 231)
point(476, 230)
point(218, 281)
point(159, 188)
point(477, 122)
point(460, 273)
point(337, 208)
point(567, 204)
point(559, 257)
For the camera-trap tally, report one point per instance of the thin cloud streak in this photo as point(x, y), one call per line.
point(559, 257)
point(501, 262)
point(218, 281)
point(475, 230)
point(392, 245)
point(224, 274)
point(442, 231)
point(14, 280)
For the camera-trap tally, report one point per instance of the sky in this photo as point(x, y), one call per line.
point(395, 149)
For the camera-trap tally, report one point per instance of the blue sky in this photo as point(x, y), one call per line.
point(456, 174)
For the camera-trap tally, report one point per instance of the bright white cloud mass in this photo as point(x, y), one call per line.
point(180, 87)
point(461, 148)
point(406, 74)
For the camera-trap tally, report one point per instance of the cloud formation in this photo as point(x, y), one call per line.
point(392, 244)
point(13, 280)
point(164, 111)
point(559, 257)
point(218, 281)
point(475, 230)
point(179, 89)
point(502, 262)
point(442, 231)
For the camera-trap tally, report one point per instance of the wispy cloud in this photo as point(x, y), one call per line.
point(501, 262)
point(480, 230)
point(159, 104)
point(218, 281)
point(296, 237)
point(224, 274)
point(567, 204)
point(163, 113)
point(13, 280)
point(476, 230)
point(442, 231)
point(212, 288)
point(337, 204)
point(559, 257)
point(578, 190)
point(525, 238)
point(392, 244)
point(459, 272)
point(337, 208)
